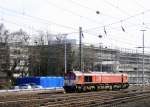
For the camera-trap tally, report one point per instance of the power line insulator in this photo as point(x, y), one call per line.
point(100, 36)
point(97, 12)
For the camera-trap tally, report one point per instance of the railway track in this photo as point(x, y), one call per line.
point(123, 101)
point(105, 100)
point(42, 100)
point(88, 99)
point(96, 99)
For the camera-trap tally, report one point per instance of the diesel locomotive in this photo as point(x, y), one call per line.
point(77, 81)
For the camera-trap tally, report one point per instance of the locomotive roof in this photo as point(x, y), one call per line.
point(78, 73)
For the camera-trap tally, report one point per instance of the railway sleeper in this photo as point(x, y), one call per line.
point(80, 101)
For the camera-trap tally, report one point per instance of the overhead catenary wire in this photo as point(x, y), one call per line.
point(22, 26)
point(37, 18)
point(139, 4)
point(120, 21)
point(125, 41)
point(71, 27)
point(118, 29)
point(116, 7)
point(72, 12)
point(91, 9)
point(31, 27)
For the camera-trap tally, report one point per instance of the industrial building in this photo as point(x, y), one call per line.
point(123, 60)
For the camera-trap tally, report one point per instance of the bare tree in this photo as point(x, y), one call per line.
point(4, 50)
point(4, 34)
point(20, 36)
point(16, 44)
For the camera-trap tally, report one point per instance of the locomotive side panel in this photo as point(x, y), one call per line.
point(79, 79)
point(111, 78)
point(98, 79)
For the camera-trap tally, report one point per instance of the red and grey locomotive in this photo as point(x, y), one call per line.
point(76, 81)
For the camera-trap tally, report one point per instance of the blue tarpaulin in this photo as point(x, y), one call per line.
point(45, 82)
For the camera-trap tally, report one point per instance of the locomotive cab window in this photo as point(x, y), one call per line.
point(88, 79)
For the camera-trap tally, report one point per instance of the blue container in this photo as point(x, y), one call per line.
point(45, 82)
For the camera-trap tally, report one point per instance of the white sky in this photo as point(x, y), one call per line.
point(65, 16)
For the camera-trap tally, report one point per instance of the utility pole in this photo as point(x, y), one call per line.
point(143, 79)
point(100, 36)
point(137, 61)
point(80, 48)
point(65, 57)
point(65, 52)
point(101, 58)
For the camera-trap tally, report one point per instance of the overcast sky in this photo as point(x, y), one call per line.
point(118, 21)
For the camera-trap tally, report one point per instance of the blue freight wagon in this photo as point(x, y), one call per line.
point(45, 82)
